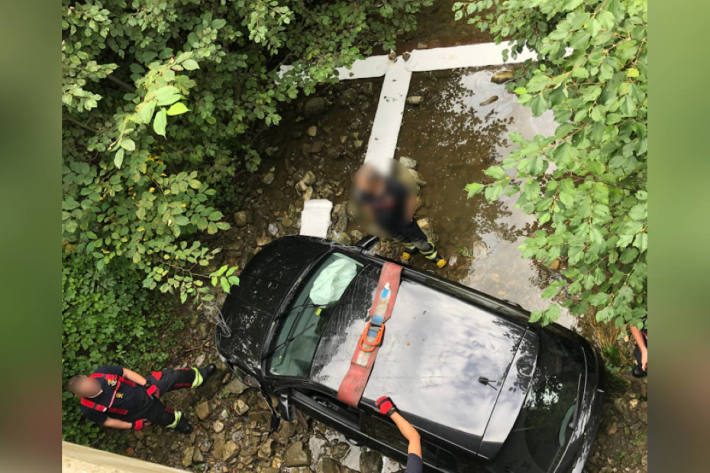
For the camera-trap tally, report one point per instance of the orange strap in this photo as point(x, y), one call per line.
point(353, 384)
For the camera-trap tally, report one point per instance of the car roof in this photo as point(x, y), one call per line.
point(434, 350)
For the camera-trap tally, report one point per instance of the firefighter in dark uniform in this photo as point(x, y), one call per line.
point(391, 205)
point(414, 450)
point(119, 398)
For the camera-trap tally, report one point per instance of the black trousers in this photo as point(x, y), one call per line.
point(167, 380)
point(413, 238)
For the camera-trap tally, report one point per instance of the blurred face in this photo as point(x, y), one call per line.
point(368, 182)
point(87, 387)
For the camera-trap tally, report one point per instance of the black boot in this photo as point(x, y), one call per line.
point(184, 427)
point(638, 372)
point(208, 371)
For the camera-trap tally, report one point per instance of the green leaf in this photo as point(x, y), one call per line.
point(177, 109)
point(128, 144)
point(496, 172)
point(160, 122)
point(494, 191)
point(632, 72)
point(225, 284)
point(473, 189)
point(181, 220)
point(146, 111)
point(190, 65)
point(118, 158)
point(538, 105)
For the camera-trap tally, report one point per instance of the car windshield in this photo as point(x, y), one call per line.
point(549, 414)
point(301, 327)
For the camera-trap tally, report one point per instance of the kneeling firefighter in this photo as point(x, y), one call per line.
point(119, 398)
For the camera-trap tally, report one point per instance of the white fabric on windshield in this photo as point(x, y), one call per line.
point(333, 280)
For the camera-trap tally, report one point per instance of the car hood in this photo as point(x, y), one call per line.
point(265, 282)
point(435, 351)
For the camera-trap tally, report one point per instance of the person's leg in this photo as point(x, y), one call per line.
point(171, 379)
point(159, 414)
point(413, 237)
point(637, 371)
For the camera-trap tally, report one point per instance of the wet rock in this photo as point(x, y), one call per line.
point(407, 162)
point(308, 193)
point(265, 450)
point(480, 249)
point(287, 221)
point(317, 147)
point(241, 218)
point(501, 76)
point(309, 178)
point(340, 450)
point(285, 432)
point(218, 426)
point(230, 449)
point(357, 144)
point(489, 100)
point(315, 106)
point(273, 229)
point(351, 208)
point(406, 55)
point(187, 455)
point(370, 462)
point(423, 223)
point(312, 130)
point(268, 178)
point(241, 407)
point(327, 465)
point(349, 96)
point(555, 265)
point(356, 235)
point(343, 139)
point(342, 238)
point(205, 445)
point(368, 88)
point(218, 448)
point(203, 410)
point(295, 455)
point(422, 45)
point(340, 218)
point(415, 99)
point(197, 456)
point(453, 259)
point(263, 240)
point(235, 387)
point(612, 429)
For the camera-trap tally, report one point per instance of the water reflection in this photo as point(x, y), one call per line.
point(455, 134)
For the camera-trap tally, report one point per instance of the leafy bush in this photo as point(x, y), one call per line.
point(107, 318)
point(586, 185)
point(164, 101)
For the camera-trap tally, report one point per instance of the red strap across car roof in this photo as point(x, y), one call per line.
point(353, 384)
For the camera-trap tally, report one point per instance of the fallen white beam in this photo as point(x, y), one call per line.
point(315, 218)
point(81, 459)
point(470, 55)
point(388, 118)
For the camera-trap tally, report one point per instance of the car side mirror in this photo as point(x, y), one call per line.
point(367, 242)
point(286, 410)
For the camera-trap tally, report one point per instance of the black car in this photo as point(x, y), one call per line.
point(488, 391)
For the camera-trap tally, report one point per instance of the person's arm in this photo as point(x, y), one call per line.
point(117, 424)
point(641, 343)
point(135, 377)
point(409, 432)
point(387, 407)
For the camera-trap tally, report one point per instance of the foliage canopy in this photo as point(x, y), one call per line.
point(586, 185)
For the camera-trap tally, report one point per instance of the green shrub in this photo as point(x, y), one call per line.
point(586, 184)
point(107, 319)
